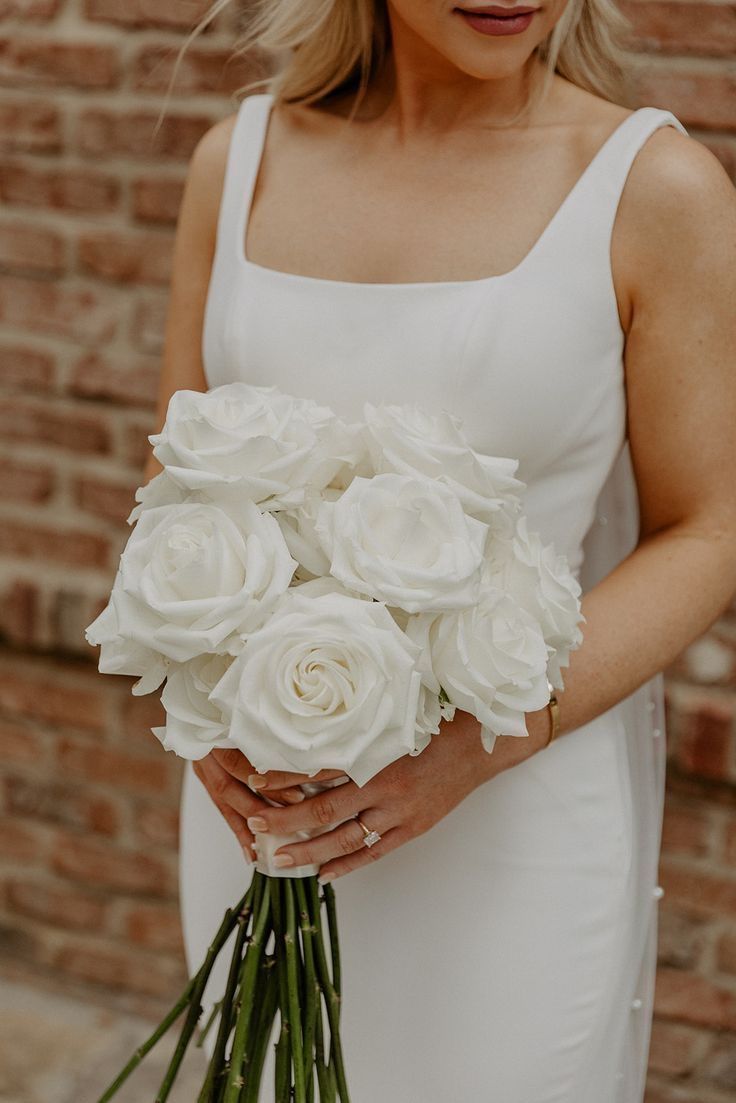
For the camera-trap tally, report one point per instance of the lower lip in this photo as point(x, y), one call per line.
point(495, 25)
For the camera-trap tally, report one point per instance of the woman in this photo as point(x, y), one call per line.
point(483, 228)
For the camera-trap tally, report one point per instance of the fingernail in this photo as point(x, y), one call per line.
point(257, 782)
point(294, 798)
point(325, 878)
point(257, 823)
point(282, 860)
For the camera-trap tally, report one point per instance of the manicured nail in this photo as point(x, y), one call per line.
point(257, 823)
point(325, 878)
point(282, 860)
point(257, 782)
point(295, 797)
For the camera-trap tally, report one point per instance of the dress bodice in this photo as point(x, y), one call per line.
point(531, 360)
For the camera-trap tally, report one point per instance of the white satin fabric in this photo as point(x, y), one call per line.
point(508, 954)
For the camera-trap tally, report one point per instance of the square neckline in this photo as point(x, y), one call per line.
point(243, 220)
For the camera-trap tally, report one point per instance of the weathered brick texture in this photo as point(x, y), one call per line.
point(89, 195)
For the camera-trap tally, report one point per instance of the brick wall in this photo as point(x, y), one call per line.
point(89, 196)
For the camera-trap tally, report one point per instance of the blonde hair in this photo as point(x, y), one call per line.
point(328, 46)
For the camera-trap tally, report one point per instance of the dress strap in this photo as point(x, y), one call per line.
point(244, 159)
point(597, 194)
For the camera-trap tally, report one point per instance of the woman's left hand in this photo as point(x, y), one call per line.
point(401, 802)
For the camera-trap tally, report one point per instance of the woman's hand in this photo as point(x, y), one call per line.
point(226, 774)
point(401, 802)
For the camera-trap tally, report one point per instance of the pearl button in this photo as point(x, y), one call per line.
point(656, 732)
point(636, 1004)
point(602, 520)
point(651, 706)
point(658, 892)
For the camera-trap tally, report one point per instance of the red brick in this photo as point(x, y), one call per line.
point(679, 27)
point(157, 825)
point(681, 938)
point(127, 257)
point(19, 612)
point(674, 1049)
point(22, 744)
point(104, 498)
point(63, 425)
point(57, 905)
point(686, 830)
point(35, 11)
point(135, 134)
point(137, 445)
point(726, 952)
point(47, 62)
point(730, 843)
point(30, 125)
point(687, 998)
point(59, 188)
point(120, 969)
point(68, 547)
point(155, 926)
point(26, 368)
point(157, 199)
point(56, 701)
point(26, 482)
point(697, 96)
point(200, 70)
point(22, 842)
point(70, 611)
point(64, 804)
point(83, 314)
point(99, 864)
point(92, 762)
point(131, 382)
point(699, 892)
point(705, 741)
point(30, 248)
point(176, 14)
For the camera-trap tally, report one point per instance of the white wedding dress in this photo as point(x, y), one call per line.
point(508, 954)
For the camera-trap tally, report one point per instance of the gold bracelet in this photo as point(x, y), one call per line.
point(554, 713)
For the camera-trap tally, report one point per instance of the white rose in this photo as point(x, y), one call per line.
point(194, 577)
point(194, 723)
point(541, 582)
point(298, 527)
point(124, 656)
point(405, 541)
point(412, 441)
point(161, 490)
point(270, 444)
point(490, 660)
point(329, 682)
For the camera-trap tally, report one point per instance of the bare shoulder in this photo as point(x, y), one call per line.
point(678, 200)
point(206, 171)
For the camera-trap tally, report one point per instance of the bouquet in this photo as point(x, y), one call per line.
point(321, 595)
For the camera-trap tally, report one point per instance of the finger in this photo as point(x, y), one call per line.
point(225, 789)
point(235, 822)
point(280, 779)
point(322, 810)
point(338, 867)
point(235, 762)
point(344, 839)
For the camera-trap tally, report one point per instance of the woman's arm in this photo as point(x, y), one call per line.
point(675, 258)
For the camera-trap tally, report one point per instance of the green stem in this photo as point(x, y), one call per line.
point(332, 999)
point(248, 976)
point(209, 1092)
point(265, 1026)
point(202, 1037)
point(325, 1074)
point(283, 1046)
point(229, 921)
point(195, 1006)
point(291, 939)
point(311, 987)
point(329, 897)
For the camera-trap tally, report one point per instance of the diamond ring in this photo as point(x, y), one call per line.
point(369, 837)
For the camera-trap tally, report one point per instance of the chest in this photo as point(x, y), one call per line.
point(367, 209)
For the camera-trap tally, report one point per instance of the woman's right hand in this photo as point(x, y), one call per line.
point(225, 774)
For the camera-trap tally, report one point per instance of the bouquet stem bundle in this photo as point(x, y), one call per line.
point(279, 967)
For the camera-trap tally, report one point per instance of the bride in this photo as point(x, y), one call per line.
point(455, 206)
